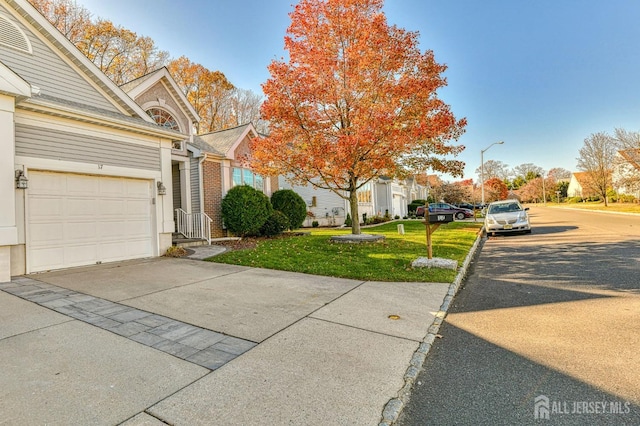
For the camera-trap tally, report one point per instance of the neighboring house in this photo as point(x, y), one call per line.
point(418, 188)
point(218, 164)
point(85, 172)
point(578, 185)
point(626, 173)
point(376, 198)
point(392, 197)
point(323, 205)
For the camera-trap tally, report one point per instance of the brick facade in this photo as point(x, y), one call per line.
point(212, 187)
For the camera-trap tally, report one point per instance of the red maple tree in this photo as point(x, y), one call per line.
point(356, 100)
point(495, 190)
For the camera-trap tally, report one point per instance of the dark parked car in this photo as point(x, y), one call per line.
point(458, 213)
point(464, 206)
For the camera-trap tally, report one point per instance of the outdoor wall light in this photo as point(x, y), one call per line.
point(162, 190)
point(21, 180)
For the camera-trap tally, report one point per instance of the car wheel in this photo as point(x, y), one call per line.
point(528, 231)
point(460, 216)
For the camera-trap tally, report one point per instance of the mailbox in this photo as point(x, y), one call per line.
point(440, 217)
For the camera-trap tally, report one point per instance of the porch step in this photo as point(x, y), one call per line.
point(180, 241)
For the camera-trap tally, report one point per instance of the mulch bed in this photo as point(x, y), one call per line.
point(251, 242)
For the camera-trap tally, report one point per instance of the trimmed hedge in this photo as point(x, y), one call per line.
point(245, 210)
point(275, 225)
point(292, 205)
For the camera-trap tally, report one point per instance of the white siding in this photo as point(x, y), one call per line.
point(329, 208)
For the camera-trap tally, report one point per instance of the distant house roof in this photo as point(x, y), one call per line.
point(632, 156)
point(582, 178)
point(428, 180)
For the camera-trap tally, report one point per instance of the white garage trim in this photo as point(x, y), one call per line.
point(76, 220)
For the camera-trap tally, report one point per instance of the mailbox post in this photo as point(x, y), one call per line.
point(432, 222)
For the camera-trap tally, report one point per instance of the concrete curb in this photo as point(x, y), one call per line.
point(393, 408)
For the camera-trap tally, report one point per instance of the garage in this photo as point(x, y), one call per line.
point(76, 220)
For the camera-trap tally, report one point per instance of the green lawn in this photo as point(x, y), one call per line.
point(389, 260)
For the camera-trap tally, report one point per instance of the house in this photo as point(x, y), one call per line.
point(159, 96)
point(85, 171)
point(203, 167)
point(626, 172)
point(218, 164)
point(376, 198)
point(323, 205)
point(579, 185)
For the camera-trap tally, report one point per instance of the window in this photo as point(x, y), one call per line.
point(364, 193)
point(259, 183)
point(165, 119)
point(247, 177)
point(237, 177)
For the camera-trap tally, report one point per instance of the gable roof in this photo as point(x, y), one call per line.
point(582, 178)
point(67, 49)
point(224, 142)
point(135, 87)
point(632, 156)
point(12, 84)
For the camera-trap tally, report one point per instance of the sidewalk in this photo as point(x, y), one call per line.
point(186, 342)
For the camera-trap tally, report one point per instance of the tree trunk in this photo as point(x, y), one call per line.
point(355, 219)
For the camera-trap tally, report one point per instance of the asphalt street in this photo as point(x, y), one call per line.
point(545, 329)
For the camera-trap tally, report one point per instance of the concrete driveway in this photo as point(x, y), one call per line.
point(192, 342)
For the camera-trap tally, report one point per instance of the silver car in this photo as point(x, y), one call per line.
point(507, 216)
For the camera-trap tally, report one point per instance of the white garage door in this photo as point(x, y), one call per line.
point(76, 220)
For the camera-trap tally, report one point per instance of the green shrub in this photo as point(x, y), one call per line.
point(245, 210)
point(347, 221)
point(315, 224)
point(374, 220)
point(276, 224)
point(292, 205)
point(415, 204)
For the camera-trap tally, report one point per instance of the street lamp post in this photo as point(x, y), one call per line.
point(544, 191)
point(482, 167)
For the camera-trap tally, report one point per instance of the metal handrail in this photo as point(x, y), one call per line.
point(194, 225)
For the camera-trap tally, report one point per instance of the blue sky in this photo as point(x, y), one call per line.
point(540, 75)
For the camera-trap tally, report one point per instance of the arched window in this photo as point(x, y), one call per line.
point(163, 118)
